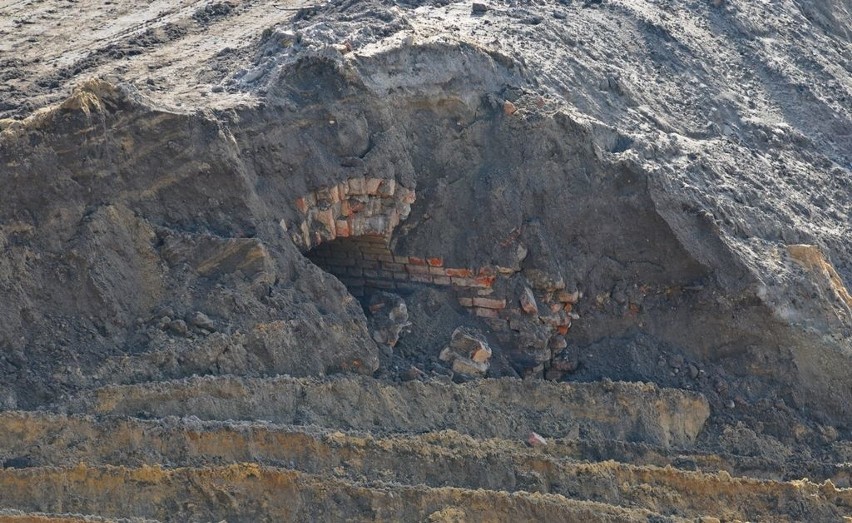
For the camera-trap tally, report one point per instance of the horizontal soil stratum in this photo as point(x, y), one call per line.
point(426, 260)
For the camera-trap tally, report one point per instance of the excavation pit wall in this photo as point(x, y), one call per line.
point(346, 229)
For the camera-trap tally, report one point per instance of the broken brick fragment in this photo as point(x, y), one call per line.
point(528, 304)
point(485, 313)
point(484, 281)
point(302, 205)
point(535, 440)
point(459, 273)
point(489, 303)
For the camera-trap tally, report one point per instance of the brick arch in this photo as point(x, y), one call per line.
point(353, 208)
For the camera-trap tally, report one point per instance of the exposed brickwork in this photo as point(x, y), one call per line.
point(346, 230)
point(355, 207)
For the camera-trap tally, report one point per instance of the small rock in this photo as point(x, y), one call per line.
point(568, 297)
point(535, 440)
point(201, 321)
point(388, 318)
point(468, 352)
point(676, 361)
point(528, 303)
point(509, 108)
point(178, 327)
point(566, 361)
point(730, 404)
point(544, 281)
point(446, 354)
point(413, 373)
point(462, 365)
point(481, 354)
point(693, 371)
point(478, 8)
point(557, 343)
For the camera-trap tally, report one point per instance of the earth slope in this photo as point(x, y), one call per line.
point(627, 190)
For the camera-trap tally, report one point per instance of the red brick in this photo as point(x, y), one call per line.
point(327, 219)
point(400, 259)
point(409, 197)
point(562, 329)
point(356, 186)
point(302, 205)
point(555, 307)
point(416, 261)
point(459, 273)
point(466, 302)
point(387, 188)
point(372, 185)
point(568, 297)
point(487, 271)
point(355, 208)
point(441, 280)
point(343, 189)
point(376, 307)
point(485, 313)
point(393, 266)
point(345, 209)
point(421, 278)
point(385, 258)
point(435, 262)
point(393, 219)
point(343, 262)
point(437, 271)
point(328, 194)
point(463, 282)
point(380, 284)
point(568, 307)
point(417, 269)
point(484, 281)
point(489, 303)
point(342, 228)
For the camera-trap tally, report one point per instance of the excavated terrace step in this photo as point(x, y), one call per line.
point(44, 438)
point(17, 516)
point(249, 492)
point(503, 408)
point(446, 458)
